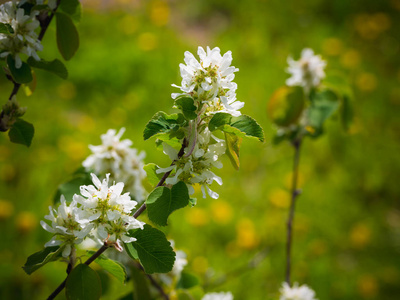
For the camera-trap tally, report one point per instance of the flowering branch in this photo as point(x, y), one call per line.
point(295, 192)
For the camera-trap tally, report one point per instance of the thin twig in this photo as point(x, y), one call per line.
point(295, 192)
point(152, 280)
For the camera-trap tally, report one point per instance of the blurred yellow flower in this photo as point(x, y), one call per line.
point(370, 26)
point(75, 150)
point(222, 212)
point(368, 286)
point(128, 24)
point(279, 198)
point(350, 59)
point(200, 264)
point(86, 124)
point(6, 209)
point(147, 41)
point(360, 235)
point(66, 90)
point(26, 222)
point(332, 46)
point(196, 216)
point(246, 236)
point(159, 13)
point(366, 82)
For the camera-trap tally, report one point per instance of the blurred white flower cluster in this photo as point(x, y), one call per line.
point(100, 213)
point(209, 83)
point(23, 38)
point(218, 296)
point(296, 292)
point(307, 72)
point(125, 164)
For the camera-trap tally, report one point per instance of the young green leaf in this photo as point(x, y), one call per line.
point(39, 259)
point(152, 176)
point(323, 104)
point(162, 123)
point(153, 249)
point(21, 132)
point(163, 201)
point(83, 283)
point(219, 120)
point(67, 35)
point(55, 66)
point(187, 281)
point(71, 187)
point(6, 28)
point(186, 104)
point(233, 143)
point(21, 75)
point(113, 267)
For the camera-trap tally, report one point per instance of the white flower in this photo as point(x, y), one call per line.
point(109, 209)
point(209, 81)
point(180, 263)
point(306, 72)
point(296, 292)
point(118, 158)
point(23, 40)
point(66, 226)
point(218, 296)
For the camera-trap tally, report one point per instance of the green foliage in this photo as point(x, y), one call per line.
point(21, 132)
point(346, 112)
point(40, 258)
point(55, 66)
point(187, 281)
point(152, 249)
point(21, 75)
point(162, 201)
point(242, 126)
point(113, 267)
point(153, 177)
point(67, 36)
point(233, 143)
point(71, 8)
point(286, 105)
point(162, 123)
point(83, 283)
point(141, 285)
point(186, 104)
point(71, 187)
point(6, 28)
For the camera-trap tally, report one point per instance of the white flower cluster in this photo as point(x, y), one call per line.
point(296, 292)
point(100, 213)
point(306, 72)
point(180, 262)
point(218, 296)
point(24, 39)
point(209, 83)
point(118, 158)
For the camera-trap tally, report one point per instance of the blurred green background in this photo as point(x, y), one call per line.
point(347, 225)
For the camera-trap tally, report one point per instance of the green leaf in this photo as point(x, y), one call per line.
point(286, 105)
point(39, 259)
point(242, 126)
point(193, 201)
point(152, 176)
point(187, 281)
point(21, 75)
point(67, 36)
point(233, 143)
point(323, 104)
point(162, 123)
point(6, 28)
point(141, 289)
point(113, 267)
point(130, 249)
point(162, 201)
point(69, 6)
point(83, 283)
point(186, 104)
point(55, 66)
point(153, 249)
point(71, 187)
point(21, 132)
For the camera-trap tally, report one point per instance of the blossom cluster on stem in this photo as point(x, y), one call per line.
point(100, 213)
point(296, 292)
point(117, 157)
point(209, 82)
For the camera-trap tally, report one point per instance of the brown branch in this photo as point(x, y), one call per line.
point(295, 192)
point(152, 280)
